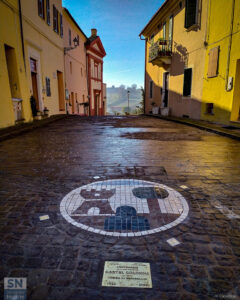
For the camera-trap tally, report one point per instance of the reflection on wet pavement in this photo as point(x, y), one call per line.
point(38, 168)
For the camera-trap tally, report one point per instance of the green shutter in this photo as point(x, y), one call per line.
point(190, 13)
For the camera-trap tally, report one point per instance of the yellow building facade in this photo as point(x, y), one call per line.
point(221, 87)
point(15, 96)
point(44, 55)
point(174, 58)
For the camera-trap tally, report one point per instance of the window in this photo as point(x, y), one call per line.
point(96, 70)
point(48, 12)
point(187, 85)
point(209, 108)
point(152, 39)
point(170, 32)
point(151, 89)
point(41, 9)
point(70, 37)
point(48, 87)
point(191, 13)
point(61, 25)
point(70, 67)
point(55, 19)
point(213, 62)
point(164, 31)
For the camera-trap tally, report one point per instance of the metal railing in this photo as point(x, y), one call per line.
point(161, 48)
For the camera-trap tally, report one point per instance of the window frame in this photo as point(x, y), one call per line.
point(186, 25)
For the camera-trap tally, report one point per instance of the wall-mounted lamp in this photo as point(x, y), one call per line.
point(75, 43)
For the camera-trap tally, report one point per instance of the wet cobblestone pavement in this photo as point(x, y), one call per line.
point(62, 261)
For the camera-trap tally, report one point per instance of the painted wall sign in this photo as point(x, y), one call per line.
point(127, 274)
point(124, 207)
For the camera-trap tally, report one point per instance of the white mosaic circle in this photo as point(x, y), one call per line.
point(124, 207)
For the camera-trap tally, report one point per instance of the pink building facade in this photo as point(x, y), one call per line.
point(76, 87)
point(95, 55)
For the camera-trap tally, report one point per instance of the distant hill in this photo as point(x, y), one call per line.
point(117, 98)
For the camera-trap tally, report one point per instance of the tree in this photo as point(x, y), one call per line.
point(141, 103)
point(134, 86)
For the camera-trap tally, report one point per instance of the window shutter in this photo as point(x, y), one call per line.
point(70, 37)
point(48, 88)
point(187, 86)
point(213, 62)
point(61, 25)
point(41, 8)
point(190, 13)
point(48, 12)
point(57, 29)
point(54, 18)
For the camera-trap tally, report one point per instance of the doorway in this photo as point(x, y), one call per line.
point(60, 91)
point(165, 89)
point(33, 67)
point(96, 104)
point(72, 102)
point(12, 71)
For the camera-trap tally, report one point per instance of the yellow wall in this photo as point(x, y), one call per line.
point(226, 103)
point(46, 46)
point(9, 19)
point(188, 51)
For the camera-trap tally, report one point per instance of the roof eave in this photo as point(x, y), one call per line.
point(74, 21)
point(153, 17)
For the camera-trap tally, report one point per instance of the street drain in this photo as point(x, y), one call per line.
point(124, 207)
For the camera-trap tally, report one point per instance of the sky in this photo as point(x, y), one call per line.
point(119, 23)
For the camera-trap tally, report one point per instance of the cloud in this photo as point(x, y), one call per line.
point(121, 71)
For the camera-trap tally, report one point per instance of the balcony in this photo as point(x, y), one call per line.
point(160, 53)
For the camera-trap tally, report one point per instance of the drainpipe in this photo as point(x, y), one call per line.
point(144, 102)
point(229, 45)
point(21, 28)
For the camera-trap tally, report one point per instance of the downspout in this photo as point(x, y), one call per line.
point(144, 102)
point(21, 28)
point(88, 84)
point(230, 45)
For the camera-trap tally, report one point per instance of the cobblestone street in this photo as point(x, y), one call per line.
point(62, 260)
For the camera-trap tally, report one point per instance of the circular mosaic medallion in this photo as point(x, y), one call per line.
point(124, 207)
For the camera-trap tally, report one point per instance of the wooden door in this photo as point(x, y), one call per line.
point(35, 89)
point(60, 91)
point(72, 102)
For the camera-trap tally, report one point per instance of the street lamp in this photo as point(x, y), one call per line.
point(75, 43)
point(128, 92)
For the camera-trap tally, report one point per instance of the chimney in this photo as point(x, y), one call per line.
point(94, 32)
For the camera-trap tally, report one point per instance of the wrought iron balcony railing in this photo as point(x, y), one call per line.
point(160, 52)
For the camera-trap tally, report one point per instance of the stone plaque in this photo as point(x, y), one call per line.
point(127, 274)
